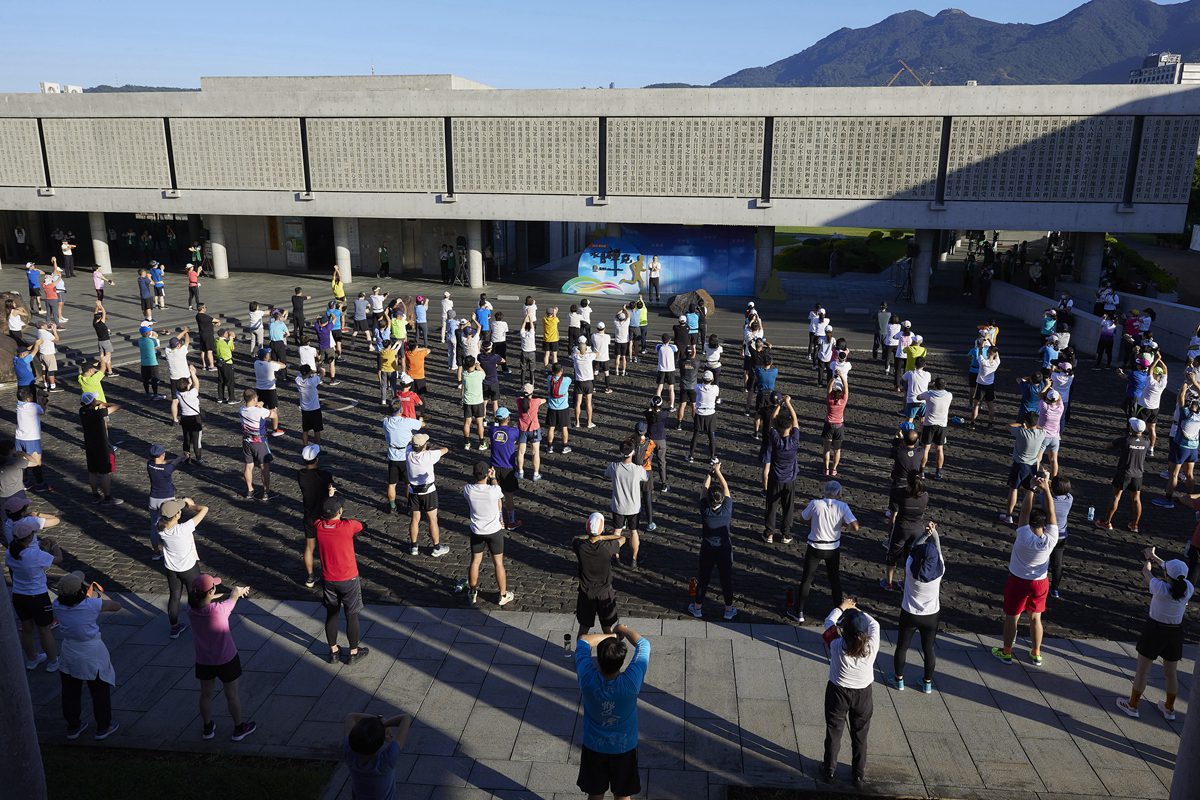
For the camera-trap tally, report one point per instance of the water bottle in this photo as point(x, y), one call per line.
point(1091, 513)
point(461, 586)
point(568, 651)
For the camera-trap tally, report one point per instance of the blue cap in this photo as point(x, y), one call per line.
point(264, 351)
point(502, 413)
point(854, 620)
point(907, 426)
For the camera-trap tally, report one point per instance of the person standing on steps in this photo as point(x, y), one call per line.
point(1162, 634)
point(852, 656)
point(1028, 583)
point(828, 517)
point(716, 542)
point(608, 761)
point(596, 598)
point(341, 586)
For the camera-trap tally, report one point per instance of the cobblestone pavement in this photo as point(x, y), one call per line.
point(259, 543)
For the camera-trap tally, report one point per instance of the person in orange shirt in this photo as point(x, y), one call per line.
point(414, 365)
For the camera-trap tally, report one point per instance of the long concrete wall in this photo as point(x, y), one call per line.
point(1116, 158)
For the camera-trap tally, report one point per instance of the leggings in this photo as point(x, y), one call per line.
point(422, 336)
point(704, 423)
point(897, 371)
point(192, 431)
point(150, 379)
point(722, 558)
point(1056, 564)
point(660, 454)
point(1104, 349)
point(193, 296)
point(648, 497)
point(72, 701)
point(225, 380)
point(177, 584)
point(833, 564)
point(331, 630)
point(927, 624)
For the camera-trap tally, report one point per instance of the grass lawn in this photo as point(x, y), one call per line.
point(106, 774)
point(752, 793)
point(858, 255)
point(828, 231)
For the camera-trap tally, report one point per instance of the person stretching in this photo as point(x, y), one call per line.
point(1028, 583)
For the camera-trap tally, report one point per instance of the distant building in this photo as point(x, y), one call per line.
point(1165, 68)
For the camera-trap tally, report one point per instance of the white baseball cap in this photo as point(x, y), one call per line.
point(311, 452)
point(1136, 425)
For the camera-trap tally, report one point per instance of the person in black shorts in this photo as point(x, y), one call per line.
point(209, 620)
point(1131, 464)
point(596, 598)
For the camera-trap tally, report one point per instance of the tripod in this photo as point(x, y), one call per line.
point(905, 282)
point(462, 271)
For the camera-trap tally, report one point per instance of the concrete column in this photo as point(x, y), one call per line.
point(764, 255)
point(1185, 783)
point(922, 265)
point(100, 242)
point(1092, 262)
point(216, 238)
point(20, 758)
point(341, 248)
point(475, 253)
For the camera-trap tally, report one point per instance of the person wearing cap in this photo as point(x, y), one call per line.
point(1028, 583)
point(503, 459)
point(47, 336)
point(1162, 633)
point(621, 323)
point(1050, 414)
point(528, 333)
point(716, 542)
point(161, 473)
point(627, 479)
point(601, 340)
point(180, 558)
point(341, 587)
point(550, 337)
point(692, 320)
point(583, 360)
point(595, 596)
point(679, 332)
point(823, 354)
point(1147, 402)
point(185, 412)
point(490, 362)
point(1135, 383)
point(816, 324)
point(28, 435)
point(216, 653)
point(920, 606)
point(656, 418)
point(99, 455)
point(411, 405)
point(421, 320)
point(316, 486)
point(422, 492)
point(33, 277)
point(780, 463)
point(387, 359)
point(558, 412)
point(83, 657)
point(1048, 354)
point(398, 429)
point(833, 434)
point(852, 654)
point(1185, 441)
point(178, 349)
point(160, 286)
point(689, 372)
point(27, 559)
point(91, 379)
point(326, 346)
point(1131, 465)
point(529, 431)
point(704, 419)
point(900, 356)
point(1061, 380)
point(447, 307)
point(485, 504)
point(667, 353)
point(763, 375)
point(1028, 441)
point(256, 450)
point(16, 509)
point(644, 455)
point(985, 384)
point(828, 516)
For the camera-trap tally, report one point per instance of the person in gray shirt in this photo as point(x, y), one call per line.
point(627, 479)
point(1027, 444)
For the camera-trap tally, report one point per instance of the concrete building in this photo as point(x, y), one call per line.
point(299, 173)
point(1165, 68)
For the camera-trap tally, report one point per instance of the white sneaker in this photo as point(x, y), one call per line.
point(473, 596)
point(414, 551)
point(1169, 716)
point(52, 666)
point(695, 610)
point(439, 551)
point(537, 476)
point(506, 598)
point(32, 663)
point(520, 474)
point(1130, 711)
point(730, 613)
point(591, 424)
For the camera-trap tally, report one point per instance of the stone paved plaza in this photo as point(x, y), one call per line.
point(496, 701)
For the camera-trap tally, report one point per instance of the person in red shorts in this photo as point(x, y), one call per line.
point(1028, 580)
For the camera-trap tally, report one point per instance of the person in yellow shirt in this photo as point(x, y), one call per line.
point(388, 358)
point(338, 288)
point(550, 337)
point(92, 380)
point(914, 351)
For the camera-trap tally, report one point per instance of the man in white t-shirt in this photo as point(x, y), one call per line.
point(583, 358)
point(666, 370)
point(704, 415)
point(937, 402)
point(621, 337)
point(916, 383)
point(1148, 401)
point(310, 404)
point(485, 501)
point(828, 516)
point(264, 378)
point(256, 451)
point(178, 348)
point(422, 492)
point(985, 384)
point(528, 349)
point(600, 343)
point(1028, 583)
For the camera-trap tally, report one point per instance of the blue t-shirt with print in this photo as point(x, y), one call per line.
point(610, 706)
point(766, 377)
point(483, 316)
point(504, 446)
point(34, 276)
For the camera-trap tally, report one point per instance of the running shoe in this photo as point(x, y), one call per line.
point(247, 728)
point(999, 653)
point(730, 613)
point(1130, 711)
point(1035, 658)
point(794, 615)
point(74, 733)
point(1168, 713)
point(695, 610)
point(210, 730)
point(1006, 519)
point(506, 598)
point(414, 551)
point(651, 527)
point(566, 449)
point(33, 663)
point(177, 630)
point(927, 687)
point(537, 476)
point(362, 653)
point(107, 732)
point(310, 581)
point(896, 681)
point(1163, 502)
point(439, 551)
point(52, 666)
point(473, 596)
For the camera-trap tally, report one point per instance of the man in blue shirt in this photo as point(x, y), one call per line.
point(160, 287)
point(23, 365)
point(34, 276)
point(277, 333)
point(558, 415)
point(503, 459)
point(146, 294)
point(336, 322)
point(398, 430)
point(421, 320)
point(610, 731)
point(371, 751)
point(483, 315)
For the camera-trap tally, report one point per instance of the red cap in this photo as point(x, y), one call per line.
point(204, 583)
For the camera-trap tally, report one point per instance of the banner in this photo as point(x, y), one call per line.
point(718, 259)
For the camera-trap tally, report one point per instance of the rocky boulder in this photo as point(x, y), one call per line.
point(680, 303)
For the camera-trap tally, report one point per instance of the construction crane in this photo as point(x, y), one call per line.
point(906, 68)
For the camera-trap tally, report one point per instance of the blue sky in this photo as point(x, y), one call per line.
point(513, 44)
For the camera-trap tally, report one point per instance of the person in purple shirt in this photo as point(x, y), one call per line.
point(780, 463)
point(503, 459)
point(610, 728)
point(323, 327)
point(490, 362)
point(216, 652)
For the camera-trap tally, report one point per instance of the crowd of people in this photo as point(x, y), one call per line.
point(502, 422)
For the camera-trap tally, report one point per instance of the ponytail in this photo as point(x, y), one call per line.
point(1179, 587)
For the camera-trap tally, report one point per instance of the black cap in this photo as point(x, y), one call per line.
point(481, 470)
point(332, 506)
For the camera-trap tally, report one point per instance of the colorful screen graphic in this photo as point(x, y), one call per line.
point(718, 259)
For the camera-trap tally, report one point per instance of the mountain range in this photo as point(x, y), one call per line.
point(1098, 42)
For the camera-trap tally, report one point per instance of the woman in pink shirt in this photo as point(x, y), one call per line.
point(529, 431)
point(98, 283)
point(216, 652)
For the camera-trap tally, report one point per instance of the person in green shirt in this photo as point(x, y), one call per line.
point(91, 380)
point(223, 349)
point(472, 402)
